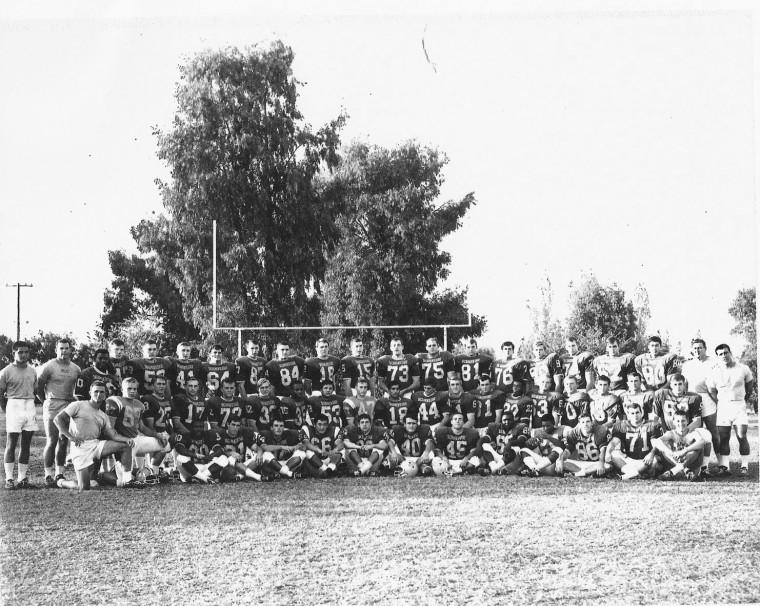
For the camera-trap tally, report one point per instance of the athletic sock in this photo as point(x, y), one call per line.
point(50, 471)
point(285, 471)
point(22, 470)
point(9, 470)
point(252, 474)
point(723, 460)
point(745, 460)
point(127, 476)
point(59, 469)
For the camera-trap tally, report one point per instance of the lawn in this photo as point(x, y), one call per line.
point(385, 540)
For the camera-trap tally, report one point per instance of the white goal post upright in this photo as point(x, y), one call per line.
point(240, 329)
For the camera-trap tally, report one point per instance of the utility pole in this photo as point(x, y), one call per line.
point(18, 286)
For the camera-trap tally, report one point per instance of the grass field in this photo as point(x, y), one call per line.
point(385, 540)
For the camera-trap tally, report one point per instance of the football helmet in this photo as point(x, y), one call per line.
point(439, 466)
point(408, 468)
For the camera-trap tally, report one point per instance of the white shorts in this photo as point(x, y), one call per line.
point(20, 415)
point(733, 412)
point(708, 406)
point(83, 455)
point(146, 445)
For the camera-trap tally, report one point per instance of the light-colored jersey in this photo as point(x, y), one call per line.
point(87, 422)
point(127, 412)
point(60, 379)
point(730, 381)
point(18, 381)
point(696, 371)
point(363, 405)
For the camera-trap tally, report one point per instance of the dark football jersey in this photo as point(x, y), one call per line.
point(266, 407)
point(321, 370)
point(201, 446)
point(355, 367)
point(428, 409)
point(86, 378)
point(666, 404)
point(456, 446)
point(471, 367)
point(282, 373)
point(483, 405)
point(120, 368)
point(617, 368)
point(332, 407)
point(570, 407)
point(502, 436)
point(411, 444)
point(248, 371)
point(375, 435)
point(214, 374)
point(587, 448)
point(401, 371)
point(642, 398)
point(436, 366)
point(146, 369)
point(635, 442)
point(391, 412)
point(181, 370)
point(220, 410)
point(250, 412)
point(544, 403)
point(656, 371)
point(289, 413)
point(506, 372)
point(243, 443)
point(605, 408)
point(546, 367)
point(576, 366)
point(160, 410)
point(289, 437)
point(325, 441)
point(189, 410)
point(454, 401)
point(521, 408)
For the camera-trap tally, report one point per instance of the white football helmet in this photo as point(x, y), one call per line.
point(408, 468)
point(439, 466)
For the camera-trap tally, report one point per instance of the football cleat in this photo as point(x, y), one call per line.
point(528, 473)
point(484, 471)
point(10, 484)
point(723, 472)
point(695, 477)
point(24, 484)
point(134, 483)
point(666, 476)
point(57, 478)
point(470, 470)
point(297, 475)
point(372, 474)
point(744, 472)
point(151, 479)
point(427, 471)
point(50, 482)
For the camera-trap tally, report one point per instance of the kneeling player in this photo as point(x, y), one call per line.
point(455, 448)
point(323, 446)
point(366, 445)
point(283, 451)
point(499, 447)
point(199, 454)
point(585, 449)
point(681, 449)
point(630, 448)
point(411, 449)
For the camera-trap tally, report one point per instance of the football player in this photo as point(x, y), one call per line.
point(97, 372)
point(507, 369)
point(578, 364)
point(454, 396)
point(398, 368)
point(119, 363)
point(636, 395)
point(199, 454)
point(681, 450)
point(546, 364)
point(544, 448)
point(331, 405)
point(429, 406)
point(606, 407)
point(614, 365)
point(239, 445)
point(225, 405)
point(56, 380)
point(284, 370)
point(471, 364)
point(249, 369)
point(585, 451)
point(519, 404)
point(410, 448)
point(545, 401)
point(215, 370)
point(575, 401)
point(148, 367)
point(323, 368)
point(182, 368)
point(696, 370)
point(18, 381)
point(730, 384)
point(283, 451)
point(265, 404)
point(483, 406)
point(499, 447)
point(655, 366)
point(631, 441)
point(366, 445)
point(188, 407)
point(158, 416)
point(455, 448)
point(362, 402)
point(85, 425)
point(435, 363)
point(357, 366)
point(391, 411)
point(300, 405)
point(323, 445)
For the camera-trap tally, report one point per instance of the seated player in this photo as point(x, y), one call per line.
point(429, 406)
point(283, 452)
point(361, 402)
point(188, 407)
point(366, 445)
point(498, 449)
point(86, 426)
point(630, 448)
point(199, 454)
point(483, 406)
point(573, 404)
point(585, 449)
point(455, 448)
point(410, 448)
point(238, 445)
point(544, 448)
point(606, 407)
point(329, 404)
point(323, 445)
point(681, 449)
point(391, 411)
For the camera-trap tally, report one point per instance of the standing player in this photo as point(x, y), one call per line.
point(696, 370)
point(585, 449)
point(569, 408)
point(97, 372)
point(546, 364)
point(188, 407)
point(323, 368)
point(391, 411)
point(119, 362)
point(366, 445)
point(429, 406)
point(730, 384)
point(56, 380)
point(614, 365)
point(435, 363)
point(507, 369)
point(682, 450)
point(323, 445)
point(578, 364)
point(249, 369)
point(471, 364)
point(631, 444)
point(483, 406)
point(284, 370)
point(655, 366)
point(455, 448)
point(398, 368)
point(18, 382)
point(182, 368)
point(215, 370)
point(362, 402)
point(410, 447)
point(330, 405)
point(148, 367)
point(357, 366)
point(606, 407)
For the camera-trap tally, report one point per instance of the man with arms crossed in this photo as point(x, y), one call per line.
point(696, 370)
point(56, 381)
point(17, 384)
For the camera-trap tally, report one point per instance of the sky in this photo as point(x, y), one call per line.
point(611, 138)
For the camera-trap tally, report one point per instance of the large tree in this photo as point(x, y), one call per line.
point(387, 264)
point(744, 311)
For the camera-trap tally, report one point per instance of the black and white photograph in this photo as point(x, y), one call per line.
point(392, 303)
